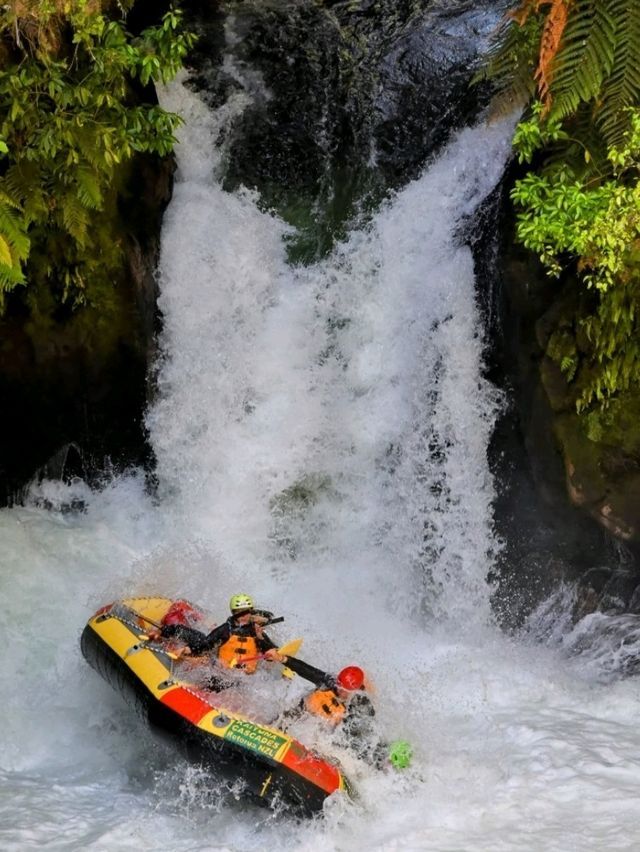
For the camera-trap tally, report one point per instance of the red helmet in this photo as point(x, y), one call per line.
point(351, 678)
point(181, 612)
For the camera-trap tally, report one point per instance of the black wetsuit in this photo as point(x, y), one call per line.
point(200, 642)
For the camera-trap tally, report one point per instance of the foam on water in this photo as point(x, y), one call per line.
point(321, 438)
point(337, 411)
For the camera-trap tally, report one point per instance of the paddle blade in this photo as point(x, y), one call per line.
point(291, 648)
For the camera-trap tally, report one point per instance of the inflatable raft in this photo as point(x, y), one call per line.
point(275, 768)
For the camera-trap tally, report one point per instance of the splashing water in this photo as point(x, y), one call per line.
point(321, 437)
point(298, 397)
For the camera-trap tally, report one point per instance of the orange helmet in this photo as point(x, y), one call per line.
point(351, 678)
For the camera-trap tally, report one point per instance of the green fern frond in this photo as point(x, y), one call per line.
point(13, 229)
point(10, 277)
point(23, 182)
point(588, 153)
point(11, 274)
point(511, 62)
point(585, 58)
point(622, 88)
point(8, 196)
point(6, 257)
point(86, 141)
point(75, 217)
point(88, 188)
point(19, 178)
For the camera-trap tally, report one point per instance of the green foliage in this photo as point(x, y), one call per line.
point(621, 87)
point(531, 135)
point(563, 350)
point(586, 57)
point(511, 62)
point(617, 425)
point(579, 207)
point(595, 65)
point(564, 217)
point(69, 120)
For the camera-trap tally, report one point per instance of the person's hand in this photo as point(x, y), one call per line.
point(274, 656)
point(154, 635)
point(182, 651)
point(259, 620)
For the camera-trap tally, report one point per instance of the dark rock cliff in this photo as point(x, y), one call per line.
point(79, 379)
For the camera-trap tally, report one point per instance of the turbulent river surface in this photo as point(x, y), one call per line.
point(321, 437)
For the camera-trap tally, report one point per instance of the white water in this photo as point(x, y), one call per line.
point(361, 379)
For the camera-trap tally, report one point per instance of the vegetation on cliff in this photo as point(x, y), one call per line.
point(74, 110)
point(574, 62)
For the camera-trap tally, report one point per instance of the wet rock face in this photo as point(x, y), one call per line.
point(425, 89)
point(568, 506)
point(602, 478)
point(547, 539)
point(349, 99)
point(591, 459)
point(613, 591)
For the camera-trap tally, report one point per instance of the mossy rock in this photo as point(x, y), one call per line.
point(617, 425)
point(556, 386)
point(585, 481)
point(601, 478)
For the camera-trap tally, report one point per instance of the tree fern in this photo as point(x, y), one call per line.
point(586, 57)
point(572, 52)
point(88, 188)
point(14, 245)
point(86, 142)
point(553, 28)
point(12, 226)
point(511, 63)
point(75, 217)
point(25, 183)
point(580, 207)
point(10, 277)
point(622, 88)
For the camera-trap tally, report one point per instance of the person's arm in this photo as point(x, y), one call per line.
point(263, 613)
point(195, 639)
point(310, 673)
point(264, 642)
point(181, 632)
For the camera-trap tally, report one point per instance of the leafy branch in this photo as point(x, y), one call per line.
point(69, 120)
point(575, 63)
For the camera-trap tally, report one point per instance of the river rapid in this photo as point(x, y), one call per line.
point(321, 436)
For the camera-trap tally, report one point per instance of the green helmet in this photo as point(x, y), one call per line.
point(400, 754)
point(239, 602)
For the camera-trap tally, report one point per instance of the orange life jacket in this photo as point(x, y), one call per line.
point(326, 704)
point(231, 652)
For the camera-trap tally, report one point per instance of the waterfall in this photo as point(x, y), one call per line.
point(330, 420)
point(321, 435)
